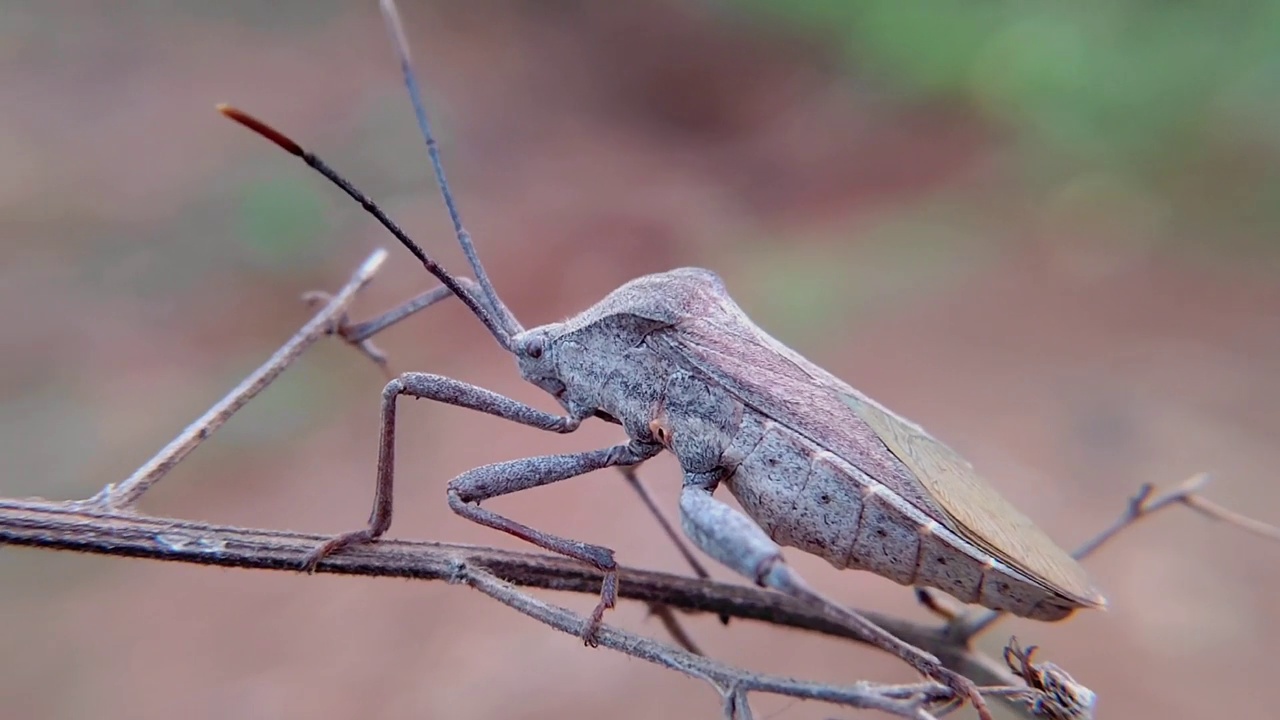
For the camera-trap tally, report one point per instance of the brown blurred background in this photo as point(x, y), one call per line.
point(1045, 233)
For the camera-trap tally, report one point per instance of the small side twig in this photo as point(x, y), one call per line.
point(731, 681)
point(125, 495)
point(1211, 509)
point(109, 524)
point(1141, 505)
point(667, 616)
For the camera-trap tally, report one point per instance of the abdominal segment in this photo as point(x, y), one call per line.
point(808, 498)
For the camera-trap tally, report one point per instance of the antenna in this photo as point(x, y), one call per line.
point(401, 42)
point(499, 331)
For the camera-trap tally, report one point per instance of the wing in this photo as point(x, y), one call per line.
point(729, 350)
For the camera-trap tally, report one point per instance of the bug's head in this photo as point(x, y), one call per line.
point(535, 351)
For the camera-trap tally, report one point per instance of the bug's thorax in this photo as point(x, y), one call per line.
point(604, 359)
point(598, 365)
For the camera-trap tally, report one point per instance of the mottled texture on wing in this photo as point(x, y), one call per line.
point(724, 345)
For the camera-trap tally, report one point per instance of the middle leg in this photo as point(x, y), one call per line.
point(441, 389)
point(468, 490)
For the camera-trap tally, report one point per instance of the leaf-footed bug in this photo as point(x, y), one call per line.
point(815, 464)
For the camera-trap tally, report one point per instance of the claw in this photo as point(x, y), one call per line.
point(608, 598)
point(591, 628)
point(334, 544)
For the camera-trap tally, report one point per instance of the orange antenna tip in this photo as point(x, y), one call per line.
point(261, 128)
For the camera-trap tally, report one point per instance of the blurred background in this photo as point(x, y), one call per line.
point(1045, 232)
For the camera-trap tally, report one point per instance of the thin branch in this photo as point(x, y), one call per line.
point(66, 526)
point(57, 525)
point(108, 524)
point(1140, 506)
point(126, 494)
point(667, 616)
point(1209, 508)
point(735, 683)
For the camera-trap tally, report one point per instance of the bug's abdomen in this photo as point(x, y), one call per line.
point(810, 499)
point(792, 496)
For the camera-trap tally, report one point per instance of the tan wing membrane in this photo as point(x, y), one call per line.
point(978, 512)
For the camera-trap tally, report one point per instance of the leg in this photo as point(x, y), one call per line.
point(442, 389)
point(737, 541)
point(629, 473)
point(938, 605)
point(359, 335)
point(468, 490)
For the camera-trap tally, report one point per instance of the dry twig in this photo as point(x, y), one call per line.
point(57, 525)
point(1051, 692)
point(109, 524)
point(126, 494)
point(1187, 493)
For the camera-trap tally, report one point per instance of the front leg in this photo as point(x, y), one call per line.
point(468, 490)
point(441, 389)
point(742, 545)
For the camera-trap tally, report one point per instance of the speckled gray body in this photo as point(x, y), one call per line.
point(672, 359)
point(680, 367)
point(806, 497)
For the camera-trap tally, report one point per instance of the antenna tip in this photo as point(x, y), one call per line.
point(261, 128)
point(395, 28)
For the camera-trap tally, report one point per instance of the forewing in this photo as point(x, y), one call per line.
point(725, 346)
point(730, 351)
point(978, 512)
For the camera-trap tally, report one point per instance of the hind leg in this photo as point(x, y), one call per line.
point(469, 489)
point(740, 544)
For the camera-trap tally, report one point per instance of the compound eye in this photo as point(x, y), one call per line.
point(534, 346)
point(661, 432)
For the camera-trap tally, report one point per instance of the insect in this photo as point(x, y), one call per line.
point(815, 464)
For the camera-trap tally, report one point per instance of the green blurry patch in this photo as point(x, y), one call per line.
point(804, 290)
point(278, 221)
point(1170, 93)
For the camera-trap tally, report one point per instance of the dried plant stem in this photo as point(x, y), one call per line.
point(1141, 505)
point(109, 524)
point(1209, 508)
point(908, 701)
point(71, 526)
point(66, 526)
point(126, 494)
point(60, 525)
